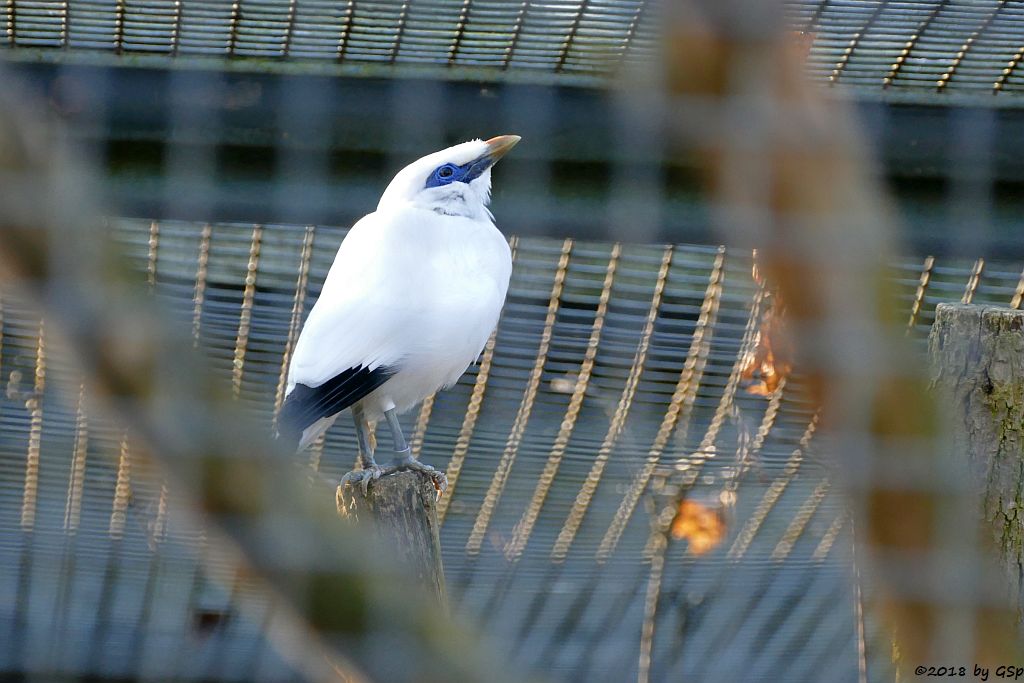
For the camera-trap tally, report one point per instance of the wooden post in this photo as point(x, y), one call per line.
point(401, 510)
point(977, 360)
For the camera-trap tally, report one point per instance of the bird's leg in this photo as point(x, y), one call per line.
point(370, 471)
point(403, 459)
point(366, 460)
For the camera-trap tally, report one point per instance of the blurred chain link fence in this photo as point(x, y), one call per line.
point(643, 483)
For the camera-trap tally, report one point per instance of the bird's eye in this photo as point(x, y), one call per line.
point(446, 172)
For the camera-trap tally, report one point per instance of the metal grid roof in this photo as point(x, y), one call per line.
point(555, 446)
point(937, 46)
point(564, 36)
point(928, 48)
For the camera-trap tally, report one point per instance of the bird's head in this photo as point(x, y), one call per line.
point(453, 182)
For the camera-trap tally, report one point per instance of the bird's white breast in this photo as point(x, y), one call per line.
point(409, 289)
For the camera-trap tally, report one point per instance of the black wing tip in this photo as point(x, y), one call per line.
point(287, 434)
point(305, 404)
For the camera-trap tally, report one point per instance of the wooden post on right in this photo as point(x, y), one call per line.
point(977, 362)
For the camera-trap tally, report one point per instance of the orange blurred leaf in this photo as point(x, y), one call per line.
point(769, 363)
point(703, 527)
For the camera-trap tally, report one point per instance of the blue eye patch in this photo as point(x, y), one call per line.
point(450, 173)
point(445, 175)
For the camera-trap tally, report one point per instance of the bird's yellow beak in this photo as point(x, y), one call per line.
point(500, 146)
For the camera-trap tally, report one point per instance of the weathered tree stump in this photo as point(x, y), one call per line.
point(977, 361)
point(401, 512)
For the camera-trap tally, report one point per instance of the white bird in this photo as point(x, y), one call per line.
point(413, 295)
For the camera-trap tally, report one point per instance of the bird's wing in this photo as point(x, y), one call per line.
point(346, 348)
point(353, 323)
point(305, 406)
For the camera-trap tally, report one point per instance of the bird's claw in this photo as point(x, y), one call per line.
point(438, 478)
point(404, 462)
point(372, 473)
point(363, 477)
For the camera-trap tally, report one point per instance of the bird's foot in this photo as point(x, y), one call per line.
point(404, 461)
point(363, 477)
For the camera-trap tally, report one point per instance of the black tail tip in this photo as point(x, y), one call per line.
point(288, 437)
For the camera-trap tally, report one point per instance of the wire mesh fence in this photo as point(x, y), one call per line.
point(964, 47)
point(644, 482)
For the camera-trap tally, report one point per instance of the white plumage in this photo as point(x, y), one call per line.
point(415, 289)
